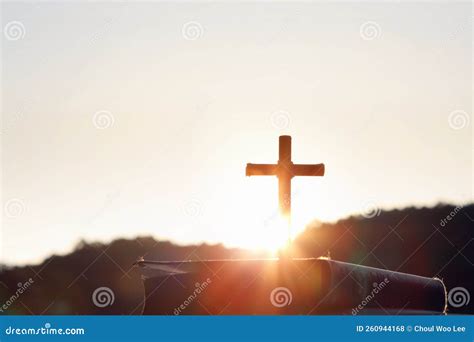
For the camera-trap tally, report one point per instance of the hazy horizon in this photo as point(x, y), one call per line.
point(127, 119)
point(230, 246)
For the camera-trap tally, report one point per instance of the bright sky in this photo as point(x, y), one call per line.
point(187, 94)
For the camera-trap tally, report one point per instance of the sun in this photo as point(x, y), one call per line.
point(277, 235)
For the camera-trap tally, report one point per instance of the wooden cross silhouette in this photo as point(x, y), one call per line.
point(285, 170)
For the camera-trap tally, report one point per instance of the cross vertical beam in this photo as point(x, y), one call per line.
point(284, 175)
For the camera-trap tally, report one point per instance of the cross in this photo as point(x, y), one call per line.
point(285, 170)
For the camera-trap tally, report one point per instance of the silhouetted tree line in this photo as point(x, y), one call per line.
point(421, 241)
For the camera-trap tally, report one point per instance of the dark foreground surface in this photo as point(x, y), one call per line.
point(287, 286)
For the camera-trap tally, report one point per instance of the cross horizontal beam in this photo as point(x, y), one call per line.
point(261, 170)
point(292, 170)
point(308, 169)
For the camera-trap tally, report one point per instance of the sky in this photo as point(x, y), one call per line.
point(137, 118)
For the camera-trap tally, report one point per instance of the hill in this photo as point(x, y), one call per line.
point(430, 242)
